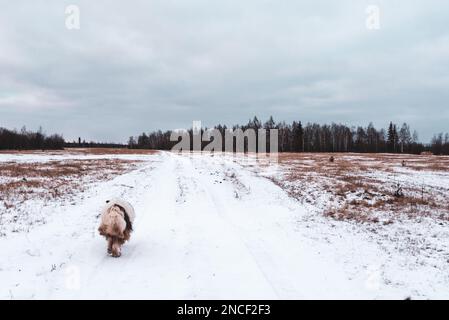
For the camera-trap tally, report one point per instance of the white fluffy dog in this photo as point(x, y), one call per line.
point(117, 219)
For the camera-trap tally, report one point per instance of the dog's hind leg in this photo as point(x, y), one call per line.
point(116, 248)
point(110, 242)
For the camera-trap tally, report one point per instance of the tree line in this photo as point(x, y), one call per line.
point(29, 140)
point(440, 144)
point(313, 137)
point(292, 137)
point(93, 144)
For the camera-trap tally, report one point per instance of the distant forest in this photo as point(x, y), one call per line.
point(313, 137)
point(294, 137)
point(92, 144)
point(29, 140)
point(38, 140)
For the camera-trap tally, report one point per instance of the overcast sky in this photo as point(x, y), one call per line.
point(135, 66)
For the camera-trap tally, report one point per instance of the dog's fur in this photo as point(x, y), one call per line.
point(116, 224)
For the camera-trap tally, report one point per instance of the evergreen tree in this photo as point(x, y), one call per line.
point(392, 137)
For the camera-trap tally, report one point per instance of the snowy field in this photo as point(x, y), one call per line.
point(226, 227)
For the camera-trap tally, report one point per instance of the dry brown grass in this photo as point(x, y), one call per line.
point(92, 151)
point(354, 192)
point(60, 168)
point(380, 161)
point(54, 179)
point(105, 151)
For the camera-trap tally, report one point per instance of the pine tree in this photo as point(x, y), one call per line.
point(131, 143)
point(395, 139)
point(270, 124)
point(392, 137)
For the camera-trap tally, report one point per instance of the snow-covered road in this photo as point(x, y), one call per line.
point(206, 228)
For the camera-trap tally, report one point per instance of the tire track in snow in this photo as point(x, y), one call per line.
point(212, 222)
point(262, 224)
point(219, 204)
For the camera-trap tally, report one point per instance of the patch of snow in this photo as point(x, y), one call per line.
point(211, 227)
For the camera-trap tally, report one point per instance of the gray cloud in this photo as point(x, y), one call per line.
point(145, 65)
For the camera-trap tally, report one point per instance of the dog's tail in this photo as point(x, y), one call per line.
point(113, 225)
point(116, 230)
